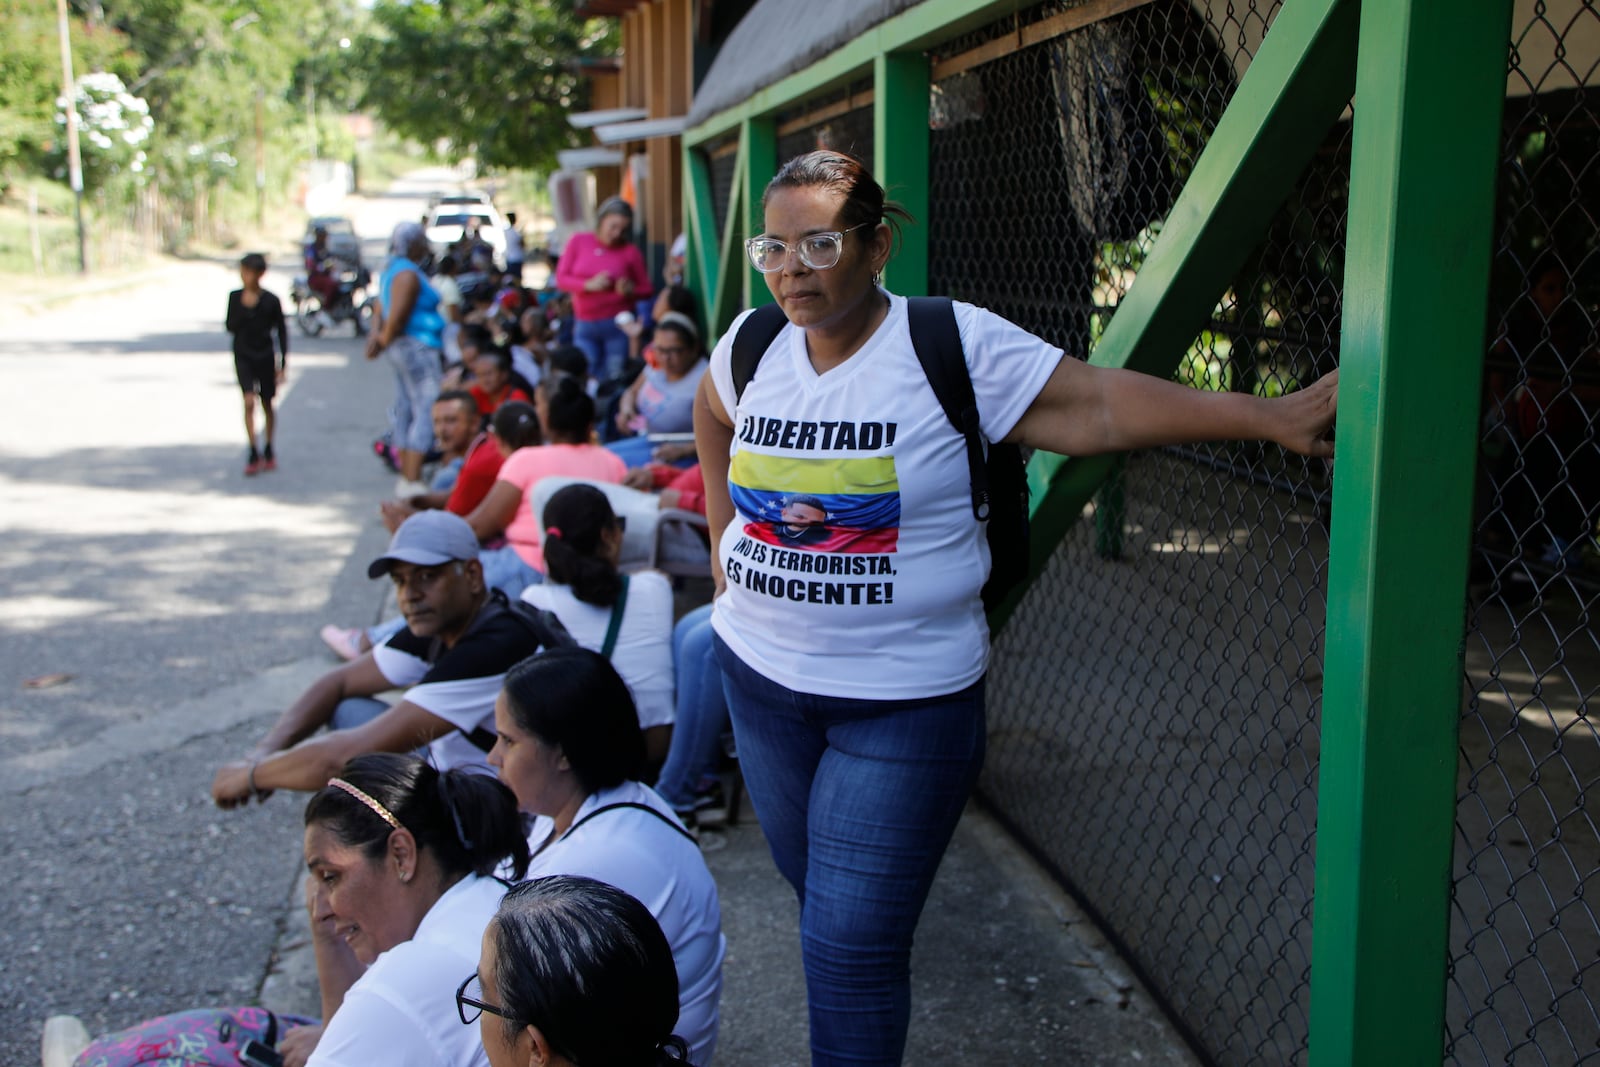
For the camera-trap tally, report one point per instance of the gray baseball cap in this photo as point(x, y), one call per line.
point(427, 539)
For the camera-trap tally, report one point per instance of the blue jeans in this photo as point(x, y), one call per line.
point(503, 569)
point(416, 379)
point(377, 635)
point(858, 799)
point(604, 345)
point(445, 477)
point(635, 451)
point(702, 711)
point(356, 711)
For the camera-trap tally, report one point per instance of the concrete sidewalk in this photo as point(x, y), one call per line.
point(1006, 970)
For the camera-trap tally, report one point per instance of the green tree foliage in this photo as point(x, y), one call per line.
point(484, 76)
point(30, 78)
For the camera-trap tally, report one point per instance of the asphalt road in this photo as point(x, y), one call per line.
point(183, 600)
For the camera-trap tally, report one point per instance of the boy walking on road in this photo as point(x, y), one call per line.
point(254, 315)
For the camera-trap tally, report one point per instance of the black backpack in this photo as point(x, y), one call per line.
point(999, 480)
point(544, 630)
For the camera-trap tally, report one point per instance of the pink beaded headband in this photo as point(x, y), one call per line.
point(377, 809)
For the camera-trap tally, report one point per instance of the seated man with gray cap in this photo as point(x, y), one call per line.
point(460, 639)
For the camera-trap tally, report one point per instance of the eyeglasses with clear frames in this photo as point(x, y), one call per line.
point(819, 251)
point(464, 1002)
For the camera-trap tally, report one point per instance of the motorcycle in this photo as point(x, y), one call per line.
point(352, 303)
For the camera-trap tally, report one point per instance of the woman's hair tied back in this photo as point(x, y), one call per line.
point(467, 822)
point(864, 201)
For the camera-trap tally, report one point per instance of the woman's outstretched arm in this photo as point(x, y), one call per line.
point(1085, 410)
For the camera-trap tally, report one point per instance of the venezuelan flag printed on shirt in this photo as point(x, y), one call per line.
point(821, 505)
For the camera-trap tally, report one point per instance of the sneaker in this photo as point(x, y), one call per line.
point(269, 462)
point(385, 454)
point(65, 1037)
point(346, 643)
point(252, 468)
point(405, 489)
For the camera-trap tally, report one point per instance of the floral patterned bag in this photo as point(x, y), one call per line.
point(206, 1037)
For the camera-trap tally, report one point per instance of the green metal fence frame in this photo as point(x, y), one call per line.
point(1428, 79)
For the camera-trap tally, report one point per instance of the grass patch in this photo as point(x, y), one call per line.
point(57, 237)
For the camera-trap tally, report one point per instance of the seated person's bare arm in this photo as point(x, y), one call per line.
point(308, 765)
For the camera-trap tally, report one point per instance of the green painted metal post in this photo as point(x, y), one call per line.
point(1430, 88)
point(704, 260)
point(901, 86)
point(760, 163)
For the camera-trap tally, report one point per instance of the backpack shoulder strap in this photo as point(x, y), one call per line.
point(937, 340)
point(546, 631)
point(618, 609)
point(755, 336)
point(629, 804)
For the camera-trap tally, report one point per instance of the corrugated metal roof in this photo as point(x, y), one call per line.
point(778, 38)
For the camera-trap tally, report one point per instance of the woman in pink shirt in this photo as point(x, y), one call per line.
point(605, 274)
point(567, 412)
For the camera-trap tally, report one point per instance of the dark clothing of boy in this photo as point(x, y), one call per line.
point(254, 357)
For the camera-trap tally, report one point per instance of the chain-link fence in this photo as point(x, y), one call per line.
point(1155, 700)
point(841, 121)
point(1154, 703)
point(1525, 943)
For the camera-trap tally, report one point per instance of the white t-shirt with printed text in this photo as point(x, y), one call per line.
point(854, 563)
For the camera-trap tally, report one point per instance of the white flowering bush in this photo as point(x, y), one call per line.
point(113, 128)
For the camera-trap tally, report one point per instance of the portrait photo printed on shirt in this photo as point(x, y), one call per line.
point(820, 529)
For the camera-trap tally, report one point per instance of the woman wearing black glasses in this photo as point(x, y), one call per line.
point(854, 645)
point(402, 861)
point(574, 971)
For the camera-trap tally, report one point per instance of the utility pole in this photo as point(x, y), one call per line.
point(74, 156)
point(311, 109)
point(261, 164)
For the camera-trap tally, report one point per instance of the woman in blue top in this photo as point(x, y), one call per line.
point(409, 333)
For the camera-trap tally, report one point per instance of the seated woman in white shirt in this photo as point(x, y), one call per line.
point(574, 971)
point(401, 887)
point(626, 618)
point(570, 748)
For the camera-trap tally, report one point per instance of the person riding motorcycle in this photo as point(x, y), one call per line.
point(320, 269)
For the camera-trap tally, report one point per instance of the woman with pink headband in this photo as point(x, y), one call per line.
point(401, 886)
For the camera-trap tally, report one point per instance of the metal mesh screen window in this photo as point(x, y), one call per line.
point(1525, 942)
point(724, 158)
point(1154, 702)
point(841, 121)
